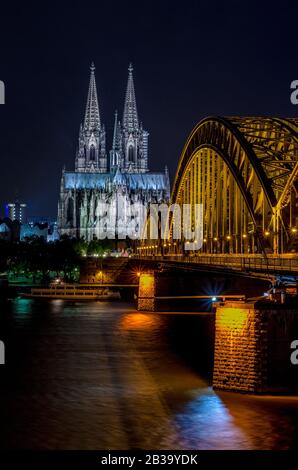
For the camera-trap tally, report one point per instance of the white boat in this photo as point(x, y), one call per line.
point(72, 292)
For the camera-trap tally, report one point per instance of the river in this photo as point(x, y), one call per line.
point(99, 375)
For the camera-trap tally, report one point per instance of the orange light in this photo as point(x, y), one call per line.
point(138, 273)
point(146, 280)
point(294, 230)
point(267, 233)
point(139, 321)
point(231, 318)
point(228, 237)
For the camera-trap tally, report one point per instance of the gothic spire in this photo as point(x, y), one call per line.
point(92, 117)
point(130, 114)
point(115, 131)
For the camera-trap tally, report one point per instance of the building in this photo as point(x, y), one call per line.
point(5, 231)
point(16, 211)
point(99, 199)
point(28, 231)
point(40, 227)
point(9, 229)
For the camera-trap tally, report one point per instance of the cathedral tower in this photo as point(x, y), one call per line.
point(91, 153)
point(130, 143)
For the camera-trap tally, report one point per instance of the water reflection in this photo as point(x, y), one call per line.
point(22, 306)
point(206, 423)
point(139, 321)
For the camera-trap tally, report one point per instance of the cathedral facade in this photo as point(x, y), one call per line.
point(100, 198)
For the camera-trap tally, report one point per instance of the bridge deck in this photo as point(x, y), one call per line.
point(282, 264)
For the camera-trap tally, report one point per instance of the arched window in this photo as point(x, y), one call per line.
point(130, 153)
point(92, 153)
point(69, 213)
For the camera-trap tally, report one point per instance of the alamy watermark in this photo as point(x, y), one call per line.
point(294, 94)
point(2, 92)
point(2, 353)
point(294, 354)
point(123, 219)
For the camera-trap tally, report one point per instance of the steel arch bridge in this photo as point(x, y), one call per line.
point(244, 170)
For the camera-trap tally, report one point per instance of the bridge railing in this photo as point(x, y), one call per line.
point(271, 263)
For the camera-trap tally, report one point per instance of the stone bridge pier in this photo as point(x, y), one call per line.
point(146, 293)
point(253, 347)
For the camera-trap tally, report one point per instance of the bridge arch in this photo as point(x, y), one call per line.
point(244, 170)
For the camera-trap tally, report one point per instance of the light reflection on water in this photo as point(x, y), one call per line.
point(22, 306)
point(206, 423)
point(139, 321)
point(98, 375)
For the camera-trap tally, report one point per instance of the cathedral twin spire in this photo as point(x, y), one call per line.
point(130, 142)
point(91, 155)
point(92, 116)
point(130, 113)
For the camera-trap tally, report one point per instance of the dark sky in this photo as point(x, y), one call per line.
point(191, 59)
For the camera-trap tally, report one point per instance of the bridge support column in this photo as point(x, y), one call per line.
point(253, 346)
point(240, 356)
point(146, 294)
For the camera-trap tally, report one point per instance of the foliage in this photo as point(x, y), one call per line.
point(37, 260)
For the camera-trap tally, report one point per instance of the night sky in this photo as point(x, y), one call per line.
point(191, 60)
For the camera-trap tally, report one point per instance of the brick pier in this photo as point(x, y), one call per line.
point(252, 346)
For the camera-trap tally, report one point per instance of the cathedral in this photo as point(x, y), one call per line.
point(100, 198)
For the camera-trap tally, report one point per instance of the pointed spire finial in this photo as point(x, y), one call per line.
point(92, 116)
point(130, 114)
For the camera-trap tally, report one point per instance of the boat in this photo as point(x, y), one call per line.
point(72, 292)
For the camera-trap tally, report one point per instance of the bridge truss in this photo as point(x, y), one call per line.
point(244, 170)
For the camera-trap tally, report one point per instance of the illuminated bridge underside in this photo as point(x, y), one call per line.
point(244, 171)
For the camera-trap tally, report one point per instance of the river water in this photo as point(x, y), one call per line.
point(99, 375)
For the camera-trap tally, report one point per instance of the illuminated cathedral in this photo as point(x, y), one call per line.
point(97, 198)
